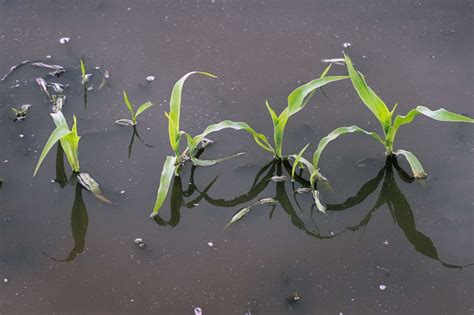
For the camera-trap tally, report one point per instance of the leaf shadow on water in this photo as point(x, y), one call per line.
point(399, 207)
point(136, 134)
point(260, 183)
point(389, 195)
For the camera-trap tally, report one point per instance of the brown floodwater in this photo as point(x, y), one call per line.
point(386, 244)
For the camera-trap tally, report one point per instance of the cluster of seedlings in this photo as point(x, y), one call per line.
point(195, 144)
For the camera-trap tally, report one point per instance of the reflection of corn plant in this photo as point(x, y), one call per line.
point(173, 163)
point(68, 139)
point(297, 100)
point(140, 109)
point(389, 126)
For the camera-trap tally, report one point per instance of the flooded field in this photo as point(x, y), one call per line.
point(386, 244)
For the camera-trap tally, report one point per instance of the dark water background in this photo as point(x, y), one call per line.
point(64, 252)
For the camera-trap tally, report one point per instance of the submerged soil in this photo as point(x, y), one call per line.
point(385, 245)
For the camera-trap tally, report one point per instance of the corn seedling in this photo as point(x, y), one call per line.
point(68, 139)
point(388, 122)
point(173, 164)
point(85, 76)
point(297, 100)
point(134, 115)
point(21, 113)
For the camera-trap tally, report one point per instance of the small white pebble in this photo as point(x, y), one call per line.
point(210, 244)
point(64, 40)
point(382, 287)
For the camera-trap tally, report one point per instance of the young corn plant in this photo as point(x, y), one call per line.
point(388, 122)
point(68, 139)
point(134, 115)
point(174, 163)
point(297, 100)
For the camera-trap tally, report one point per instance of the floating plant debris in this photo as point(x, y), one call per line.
point(124, 122)
point(104, 79)
point(197, 311)
point(25, 62)
point(302, 190)
point(57, 87)
point(43, 86)
point(279, 178)
point(293, 298)
point(336, 61)
point(58, 102)
point(47, 66)
point(21, 113)
point(150, 78)
point(346, 45)
point(238, 215)
point(90, 184)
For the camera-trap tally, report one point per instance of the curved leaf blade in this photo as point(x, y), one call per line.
point(175, 109)
point(55, 136)
point(373, 102)
point(297, 160)
point(334, 135)
point(165, 181)
point(415, 165)
point(143, 108)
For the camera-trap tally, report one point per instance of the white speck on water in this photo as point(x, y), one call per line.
point(346, 45)
point(5, 280)
point(386, 242)
point(197, 311)
point(122, 192)
point(48, 57)
point(150, 78)
point(195, 204)
point(382, 287)
point(5, 161)
point(21, 135)
point(138, 240)
point(210, 244)
point(64, 40)
point(52, 181)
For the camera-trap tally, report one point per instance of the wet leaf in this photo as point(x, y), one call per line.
point(25, 62)
point(415, 165)
point(124, 122)
point(238, 215)
point(90, 184)
point(42, 84)
point(279, 178)
point(165, 180)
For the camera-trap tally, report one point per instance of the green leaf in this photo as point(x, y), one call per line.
point(272, 113)
point(259, 138)
point(279, 130)
point(83, 69)
point(70, 145)
point(175, 109)
point(415, 165)
point(129, 105)
point(56, 135)
point(165, 181)
point(368, 96)
point(334, 135)
point(143, 108)
point(297, 160)
point(297, 97)
point(318, 202)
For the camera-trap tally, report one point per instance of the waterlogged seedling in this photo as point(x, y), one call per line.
point(297, 100)
point(134, 115)
point(68, 139)
point(21, 113)
point(85, 76)
point(173, 164)
point(389, 123)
